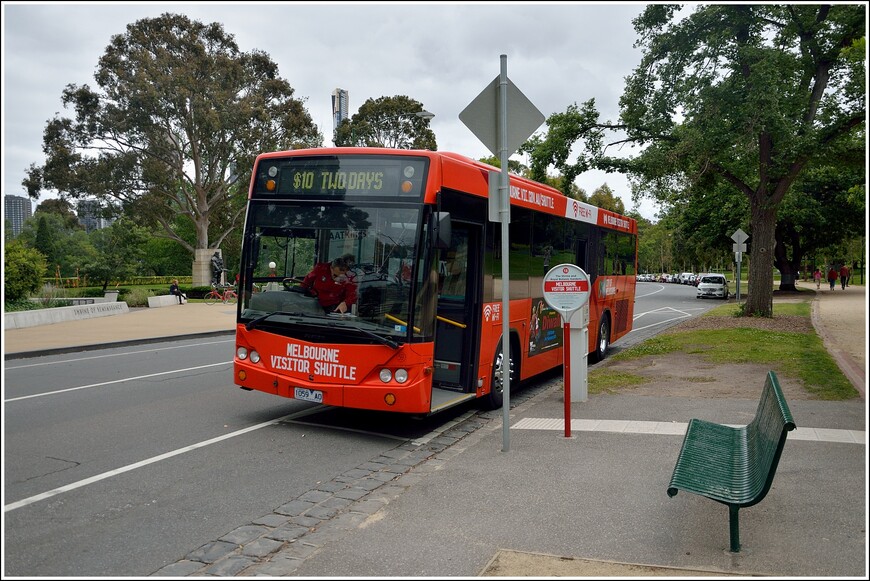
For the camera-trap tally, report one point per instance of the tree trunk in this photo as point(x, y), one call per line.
point(789, 268)
point(787, 281)
point(759, 299)
point(788, 271)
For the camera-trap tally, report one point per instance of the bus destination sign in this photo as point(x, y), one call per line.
point(346, 176)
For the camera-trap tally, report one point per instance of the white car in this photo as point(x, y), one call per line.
point(713, 285)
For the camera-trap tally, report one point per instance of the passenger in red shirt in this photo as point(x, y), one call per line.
point(330, 283)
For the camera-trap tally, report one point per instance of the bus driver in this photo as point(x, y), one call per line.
point(329, 281)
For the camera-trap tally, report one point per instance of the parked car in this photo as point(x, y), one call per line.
point(712, 285)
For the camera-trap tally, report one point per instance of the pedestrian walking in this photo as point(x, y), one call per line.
point(832, 277)
point(844, 276)
point(817, 276)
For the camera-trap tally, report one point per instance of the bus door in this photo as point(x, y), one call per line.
point(458, 305)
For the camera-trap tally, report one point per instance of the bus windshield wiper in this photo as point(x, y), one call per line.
point(379, 338)
point(332, 323)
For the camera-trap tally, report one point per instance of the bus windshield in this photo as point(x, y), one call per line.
point(291, 248)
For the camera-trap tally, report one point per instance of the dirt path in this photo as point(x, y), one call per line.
point(519, 564)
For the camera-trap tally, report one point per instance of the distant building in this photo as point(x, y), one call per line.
point(340, 99)
point(90, 213)
point(17, 209)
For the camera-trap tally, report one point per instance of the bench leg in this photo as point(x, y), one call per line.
point(734, 525)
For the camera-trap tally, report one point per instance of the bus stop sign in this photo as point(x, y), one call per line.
point(566, 289)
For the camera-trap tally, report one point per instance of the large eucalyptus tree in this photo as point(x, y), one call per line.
point(173, 127)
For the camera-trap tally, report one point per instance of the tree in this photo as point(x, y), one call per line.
point(163, 257)
point(58, 238)
point(23, 269)
point(63, 209)
point(603, 197)
point(563, 131)
point(746, 95)
point(117, 252)
point(515, 166)
point(45, 243)
point(387, 122)
point(819, 211)
point(572, 190)
point(174, 127)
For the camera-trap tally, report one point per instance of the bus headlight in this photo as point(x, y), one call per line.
point(385, 375)
point(242, 353)
point(401, 375)
point(255, 357)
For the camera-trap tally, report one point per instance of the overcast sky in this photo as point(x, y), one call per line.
point(441, 54)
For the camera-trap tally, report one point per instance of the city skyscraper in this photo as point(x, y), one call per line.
point(90, 213)
point(17, 209)
point(340, 99)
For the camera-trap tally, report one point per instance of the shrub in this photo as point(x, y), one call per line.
point(138, 297)
point(51, 297)
point(23, 270)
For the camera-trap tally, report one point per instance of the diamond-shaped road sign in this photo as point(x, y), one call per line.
point(740, 236)
point(481, 116)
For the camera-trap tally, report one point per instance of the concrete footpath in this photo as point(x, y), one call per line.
point(591, 505)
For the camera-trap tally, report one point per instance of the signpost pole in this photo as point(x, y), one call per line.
point(739, 237)
point(487, 116)
point(566, 336)
point(504, 215)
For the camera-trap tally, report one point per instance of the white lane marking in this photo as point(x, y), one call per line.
point(682, 314)
point(636, 296)
point(176, 346)
point(115, 381)
point(27, 501)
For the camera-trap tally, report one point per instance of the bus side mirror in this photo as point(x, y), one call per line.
point(439, 230)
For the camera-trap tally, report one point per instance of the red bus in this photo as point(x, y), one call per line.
point(422, 325)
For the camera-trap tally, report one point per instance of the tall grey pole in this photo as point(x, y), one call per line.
point(504, 214)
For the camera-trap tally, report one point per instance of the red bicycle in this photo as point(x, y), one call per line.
point(226, 295)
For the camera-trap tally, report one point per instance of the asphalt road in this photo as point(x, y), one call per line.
point(121, 461)
point(151, 451)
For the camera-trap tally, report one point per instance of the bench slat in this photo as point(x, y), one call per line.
point(712, 462)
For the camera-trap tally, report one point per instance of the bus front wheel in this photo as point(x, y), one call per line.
point(495, 398)
point(602, 343)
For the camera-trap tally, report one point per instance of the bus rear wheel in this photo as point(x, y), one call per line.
point(602, 343)
point(495, 398)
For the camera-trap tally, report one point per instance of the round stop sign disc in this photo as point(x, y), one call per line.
point(566, 288)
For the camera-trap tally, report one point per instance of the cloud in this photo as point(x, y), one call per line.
point(441, 54)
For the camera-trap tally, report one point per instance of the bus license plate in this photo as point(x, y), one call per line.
point(308, 394)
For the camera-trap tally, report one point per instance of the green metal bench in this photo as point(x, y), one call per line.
point(735, 465)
